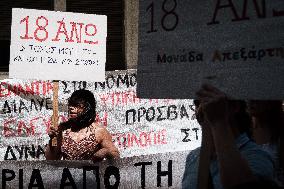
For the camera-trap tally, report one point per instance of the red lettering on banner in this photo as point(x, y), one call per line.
point(120, 98)
point(14, 127)
point(4, 90)
point(8, 131)
point(142, 139)
point(102, 120)
point(34, 88)
point(25, 128)
point(28, 130)
point(125, 98)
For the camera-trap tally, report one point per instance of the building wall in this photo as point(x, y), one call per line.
point(131, 33)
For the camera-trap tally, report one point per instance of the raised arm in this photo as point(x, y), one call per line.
point(234, 169)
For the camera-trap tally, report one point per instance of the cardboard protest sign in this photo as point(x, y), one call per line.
point(138, 126)
point(237, 46)
point(50, 45)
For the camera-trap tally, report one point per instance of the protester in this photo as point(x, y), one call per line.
point(268, 125)
point(81, 138)
point(235, 160)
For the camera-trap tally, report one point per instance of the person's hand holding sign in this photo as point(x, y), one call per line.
point(227, 123)
point(213, 104)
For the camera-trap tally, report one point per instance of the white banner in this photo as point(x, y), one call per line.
point(152, 171)
point(138, 126)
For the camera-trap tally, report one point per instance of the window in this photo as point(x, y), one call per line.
point(5, 24)
point(114, 9)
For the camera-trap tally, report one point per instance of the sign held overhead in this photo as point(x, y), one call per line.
point(50, 45)
point(236, 46)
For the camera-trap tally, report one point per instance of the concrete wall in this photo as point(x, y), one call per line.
point(3, 75)
point(131, 32)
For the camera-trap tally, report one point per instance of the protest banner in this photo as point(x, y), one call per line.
point(237, 46)
point(138, 126)
point(151, 171)
point(49, 45)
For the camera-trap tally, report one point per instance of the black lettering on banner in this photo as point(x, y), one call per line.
point(21, 178)
point(195, 130)
point(151, 7)
point(81, 85)
point(133, 115)
point(160, 118)
point(168, 173)
point(259, 7)
point(7, 175)
point(183, 112)
point(124, 80)
point(150, 116)
point(23, 150)
point(248, 54)
point(65, 91)
point(260, 14)
point(169, 12)
point(111, 84)
point(96, 171)
point(102, 85)
point(48, 104)
point(30, 152)
point(141, 114)
point(75, 85)
point(39, 151)
point(170, 112)
point(67, 175)
point(10, 150)
point(6, 108)
point(40, 101)
point(22, 106)
point(20, 151)
point(133, 80)
point(143, 164)
point(36, 176)
point(33, 103)
point(111, 170)
point(160, 113)
point(186, 132)
point(219, 6)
